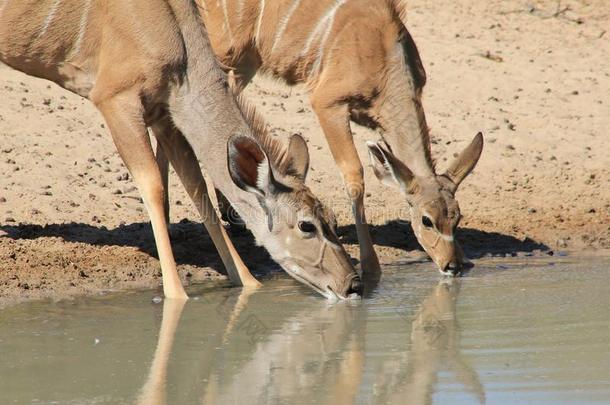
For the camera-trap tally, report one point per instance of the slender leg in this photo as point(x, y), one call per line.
point(124, 115)
point(335, 124)
point(163, 164)
point(184, 161)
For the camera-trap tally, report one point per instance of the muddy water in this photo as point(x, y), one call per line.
point(509, 332)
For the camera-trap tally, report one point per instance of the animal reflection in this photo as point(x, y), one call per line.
point(315, 353)
point(435, 346)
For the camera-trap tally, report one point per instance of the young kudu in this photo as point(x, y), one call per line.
point(359, 63)
point(148, 63)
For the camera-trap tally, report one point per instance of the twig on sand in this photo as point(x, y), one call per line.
point(560, 12)
point(491, 56)
point(530, 10)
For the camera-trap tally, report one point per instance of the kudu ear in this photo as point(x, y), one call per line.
point(298, 154)
point(249, 167)
point(388, 169)
point(466, 161)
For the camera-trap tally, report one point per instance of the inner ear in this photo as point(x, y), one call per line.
point(389, 169)
point(298, 155)
point(381, 167)
point(248, 165)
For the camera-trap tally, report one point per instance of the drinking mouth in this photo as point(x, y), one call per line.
point(352, 296)
point(328, 293)
point(450, 271)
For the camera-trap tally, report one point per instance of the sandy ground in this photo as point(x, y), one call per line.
point(533, 76)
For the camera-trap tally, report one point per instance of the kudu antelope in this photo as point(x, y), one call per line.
point(359, 63)
point(148, 63)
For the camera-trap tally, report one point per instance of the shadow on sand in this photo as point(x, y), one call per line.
point(476, 243)
point(193, 246)
point(190, 241)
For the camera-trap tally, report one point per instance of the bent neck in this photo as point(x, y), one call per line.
point(204, 109)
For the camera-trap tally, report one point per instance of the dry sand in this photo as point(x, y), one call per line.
point(533, 77)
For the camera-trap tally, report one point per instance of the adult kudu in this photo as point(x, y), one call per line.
point(359, 64)
point(148, 63)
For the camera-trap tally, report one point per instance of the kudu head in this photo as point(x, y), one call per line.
point(435, 213)
point(294, 226)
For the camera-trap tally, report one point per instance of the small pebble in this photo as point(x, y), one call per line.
point(123, 177)
point(157, 300)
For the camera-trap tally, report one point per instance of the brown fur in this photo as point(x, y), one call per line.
point(149, 63)
point(359, 63)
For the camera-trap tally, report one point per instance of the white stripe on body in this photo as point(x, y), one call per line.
point(49, 19)
point(284, 23)
point(326, 24)
point(239, 10)
point(203, 9)
point(261, 11)
point(82, 29)
point(227, 26)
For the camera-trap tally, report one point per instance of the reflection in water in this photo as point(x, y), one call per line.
point(535, 333)
point(308, 352)
point(154, 392)
point(435, 346)
point(319, 354)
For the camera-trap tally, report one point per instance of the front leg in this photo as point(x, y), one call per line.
point(334, 120)
point(184, 162)
point(124, 114)
point(163, 164)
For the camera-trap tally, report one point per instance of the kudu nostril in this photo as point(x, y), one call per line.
point(356, 287)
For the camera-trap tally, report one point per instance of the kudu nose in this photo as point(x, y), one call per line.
point(452, 268)
point(355, 287)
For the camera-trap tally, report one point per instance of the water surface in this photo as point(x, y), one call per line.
point(532, 331)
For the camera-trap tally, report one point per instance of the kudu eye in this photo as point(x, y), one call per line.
point(427, 222)
point(307, 227)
